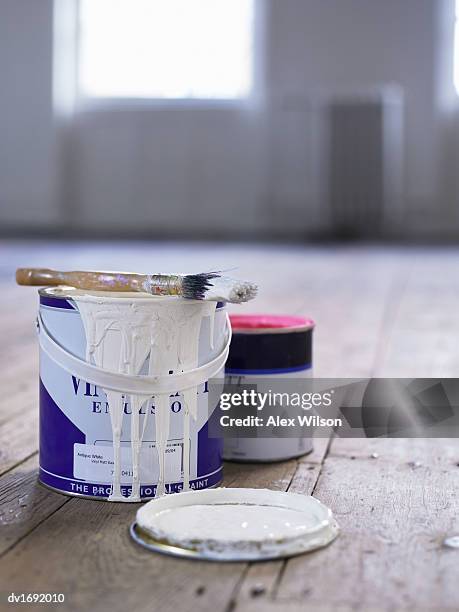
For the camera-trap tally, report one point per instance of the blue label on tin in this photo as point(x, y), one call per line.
point(81, 487)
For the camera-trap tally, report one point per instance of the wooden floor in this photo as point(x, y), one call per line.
point(379, 311)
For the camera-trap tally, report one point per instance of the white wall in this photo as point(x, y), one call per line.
point(207, 169)
point(345, 44)
point(169, 169)
point(28, 177)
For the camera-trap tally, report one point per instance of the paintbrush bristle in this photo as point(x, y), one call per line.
point(214, 287)
point(194, 286)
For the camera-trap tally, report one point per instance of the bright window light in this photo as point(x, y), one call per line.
point(165, 48)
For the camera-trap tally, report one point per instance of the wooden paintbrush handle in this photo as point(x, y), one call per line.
point(96, 281)
point(38, 276)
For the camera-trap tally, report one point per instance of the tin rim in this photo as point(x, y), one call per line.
point(143, 539)
point(64, 292)
point(297, 324)
point(273, 460)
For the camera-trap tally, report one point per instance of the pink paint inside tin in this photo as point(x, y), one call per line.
point(265, 321)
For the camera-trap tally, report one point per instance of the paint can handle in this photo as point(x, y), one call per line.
point(132, 384)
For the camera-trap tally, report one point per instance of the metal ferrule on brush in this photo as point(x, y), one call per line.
point(164, 284)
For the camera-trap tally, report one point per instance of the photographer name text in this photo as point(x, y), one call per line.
point(304, 420)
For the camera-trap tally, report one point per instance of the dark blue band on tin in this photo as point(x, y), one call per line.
point(270, 353)
point(300, 368)
point(75, 486)
point(56, 302)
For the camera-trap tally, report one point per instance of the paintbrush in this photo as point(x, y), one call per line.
point(204, 286)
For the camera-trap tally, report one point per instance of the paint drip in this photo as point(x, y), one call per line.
point(121, 336)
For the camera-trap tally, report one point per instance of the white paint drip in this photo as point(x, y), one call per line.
point(122, 332)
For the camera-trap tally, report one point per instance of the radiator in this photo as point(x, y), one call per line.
point(363, 163)
point(336, 163)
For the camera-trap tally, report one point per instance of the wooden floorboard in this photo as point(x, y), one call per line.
point(19, 437)
point(384, 312)
point(393, 518)
point(24, 503)
point(89, 554)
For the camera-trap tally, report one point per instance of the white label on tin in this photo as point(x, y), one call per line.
point(94, 462)
point(266, 449)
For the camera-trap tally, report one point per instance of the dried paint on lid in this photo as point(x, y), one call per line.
point(267, 323)
point(237, 524)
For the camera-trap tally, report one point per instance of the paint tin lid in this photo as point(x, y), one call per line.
point(269, 344)
point(234, 524)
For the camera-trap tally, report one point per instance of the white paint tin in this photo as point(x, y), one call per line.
point(271, 348)
point(76, 450)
